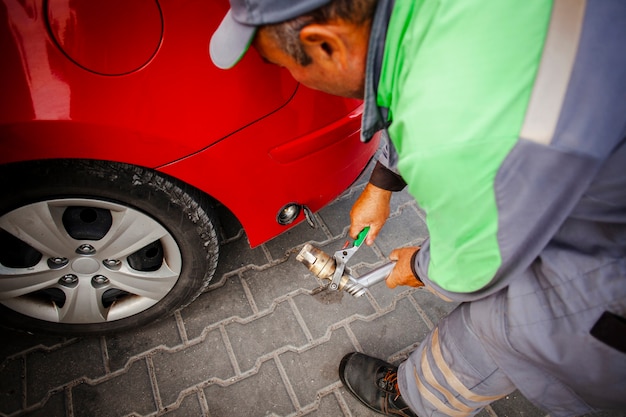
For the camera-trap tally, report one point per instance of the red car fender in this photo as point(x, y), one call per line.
point(268, 178)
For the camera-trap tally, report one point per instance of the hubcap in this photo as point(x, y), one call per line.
point(80, 261)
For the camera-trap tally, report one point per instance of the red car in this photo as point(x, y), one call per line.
point(118, 137)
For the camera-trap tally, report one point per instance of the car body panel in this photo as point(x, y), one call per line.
point(267, 177)
point(75, 85)
point(85, 34)
point(175, 100)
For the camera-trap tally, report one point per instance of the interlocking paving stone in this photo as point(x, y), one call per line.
point(237, 254)
point(402, 229)
point(392, 332)
point(516, 405)
point(269, 284)
point(11, 375)
point(48, 370)
point(122, 347)
point(324, 309)
point(54, 406)
point(280, 245)
point(130, 392)
point(323, 359)
point(15, 343)
point(433, 306)
point(189, 406)
point(257, 338)
point(328, 406)
point(226, 301)
point(260, 394)
point(186, 367)
point(336, 216)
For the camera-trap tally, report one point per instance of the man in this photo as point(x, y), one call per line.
point(507, 122)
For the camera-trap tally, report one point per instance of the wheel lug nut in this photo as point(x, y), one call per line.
point(99, 280)
point(86, 249)
point(57, 262)
point(112, 263)
point(69, 280)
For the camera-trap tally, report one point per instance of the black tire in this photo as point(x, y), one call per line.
point(67, 268)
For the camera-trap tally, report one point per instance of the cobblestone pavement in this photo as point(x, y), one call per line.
point(260, 342)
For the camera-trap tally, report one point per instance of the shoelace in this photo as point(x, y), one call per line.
point(389, 383)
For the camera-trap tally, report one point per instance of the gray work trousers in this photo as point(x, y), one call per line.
point(486, 349)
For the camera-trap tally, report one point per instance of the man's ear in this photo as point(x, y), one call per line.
point(324, 44)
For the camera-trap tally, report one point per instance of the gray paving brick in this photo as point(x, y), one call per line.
point(122, 347)
point(53, 407)
point(11, 375)
point(16, 342)
point(189, 407)
point(328, 406)
point(48, 370)
point(130, 392)
point(356, 408)
point(392, 332)
point(259, 395)
point(516, 405)
point(434, 307)
point(312, 370)
point(185, 368)
point(215, 305)
point(265, 334)
point(237, 254)
point(269, 284)
point(401, 230)
point(327, 308)
point(336, 215)
point(280, 246)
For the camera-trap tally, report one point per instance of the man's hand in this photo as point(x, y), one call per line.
point(402, 273)
point(370, 209)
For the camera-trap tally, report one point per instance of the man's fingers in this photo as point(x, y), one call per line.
point(372, 234)
point(402, 273)
point(391, 283)
point(355, 229)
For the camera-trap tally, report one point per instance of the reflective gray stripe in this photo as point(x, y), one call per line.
point(555, 70)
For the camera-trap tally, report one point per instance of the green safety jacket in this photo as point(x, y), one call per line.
point(507, 120)
point(453, 82)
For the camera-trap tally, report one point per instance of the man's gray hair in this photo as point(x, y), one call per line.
point(287, 34)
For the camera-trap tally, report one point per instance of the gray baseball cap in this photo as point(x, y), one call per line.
point(234, 35)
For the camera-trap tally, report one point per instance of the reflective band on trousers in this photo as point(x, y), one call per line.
point(460, 409)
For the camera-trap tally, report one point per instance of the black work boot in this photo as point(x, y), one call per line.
point(375, 383)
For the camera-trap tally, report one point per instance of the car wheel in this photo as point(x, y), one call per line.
point(92, 247)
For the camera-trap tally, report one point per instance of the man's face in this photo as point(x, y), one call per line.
point(341, 80)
